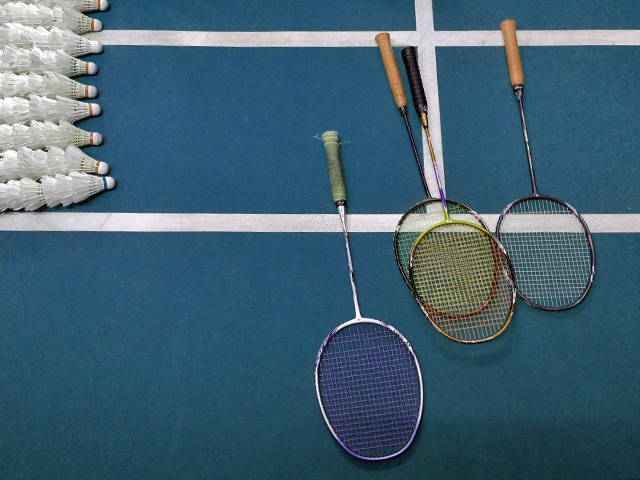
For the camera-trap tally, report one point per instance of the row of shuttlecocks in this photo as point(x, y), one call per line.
point(41, 162)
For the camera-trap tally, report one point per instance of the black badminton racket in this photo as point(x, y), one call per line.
point(547, 240)
point(367, 376)
point(460, 273)
point(429, 212)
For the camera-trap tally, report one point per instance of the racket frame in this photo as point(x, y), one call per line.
point(539, 196)
point(359, 320)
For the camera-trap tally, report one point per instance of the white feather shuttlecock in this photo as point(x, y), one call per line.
point(24, 36)
point(19, 110)
point(73, 188)
point(79, 5)
point(48, 85)
point(44, 135)
point(28, 163)
point(35, 60)
point(28, 194)
point(43, 16)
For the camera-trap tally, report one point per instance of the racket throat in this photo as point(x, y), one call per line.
point(518, 91)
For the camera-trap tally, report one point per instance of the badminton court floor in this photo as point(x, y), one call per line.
point(168, 328)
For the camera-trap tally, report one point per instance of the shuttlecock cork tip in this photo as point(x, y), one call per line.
point(102, 168)
point(103, 5)
point(95, 110)
point(91, 91)
point(96, 25)
point(96, 47)
point(96, 138)
point(92, 68)
point(109, 183)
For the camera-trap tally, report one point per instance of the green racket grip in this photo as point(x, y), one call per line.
point(415, 83)
point(512, 51)
point(391, 67)
point(332, 149)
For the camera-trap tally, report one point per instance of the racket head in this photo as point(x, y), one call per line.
point(551, 249)
point(369, 388)
point(421, 217)
point(463, 280)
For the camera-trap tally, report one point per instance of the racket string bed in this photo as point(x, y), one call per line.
point(370, 396)
point(550, 251)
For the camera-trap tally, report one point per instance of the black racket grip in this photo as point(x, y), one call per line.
point(415, 82)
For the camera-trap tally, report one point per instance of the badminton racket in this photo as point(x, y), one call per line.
point(428, 212)
point(547, 240)
point(460, 273)
point(367, 376)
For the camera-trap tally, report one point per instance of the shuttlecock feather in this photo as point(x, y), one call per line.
point(14, 110)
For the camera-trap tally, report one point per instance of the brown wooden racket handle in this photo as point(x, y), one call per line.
point(393, 75)
point(508, 28)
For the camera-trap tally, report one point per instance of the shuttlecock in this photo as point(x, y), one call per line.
point(73, 188)
point(79, 5)
point(36, 60)
point(48, 85)
point(29, 194)
point(34, 164)
point(19, 110)
point(41, 15)
point(54, 39)
point(45, 135)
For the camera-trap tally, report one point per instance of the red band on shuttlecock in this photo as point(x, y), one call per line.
point(97, 167)
point(90, 111)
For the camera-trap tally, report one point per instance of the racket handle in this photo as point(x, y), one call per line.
point(415, 83)
point(391, 67)
point(332, 149)
point(508, 28)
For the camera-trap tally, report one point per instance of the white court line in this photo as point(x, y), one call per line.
point(429, 73)
point(255, 223)
point(475, 38)
point(424, 37)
